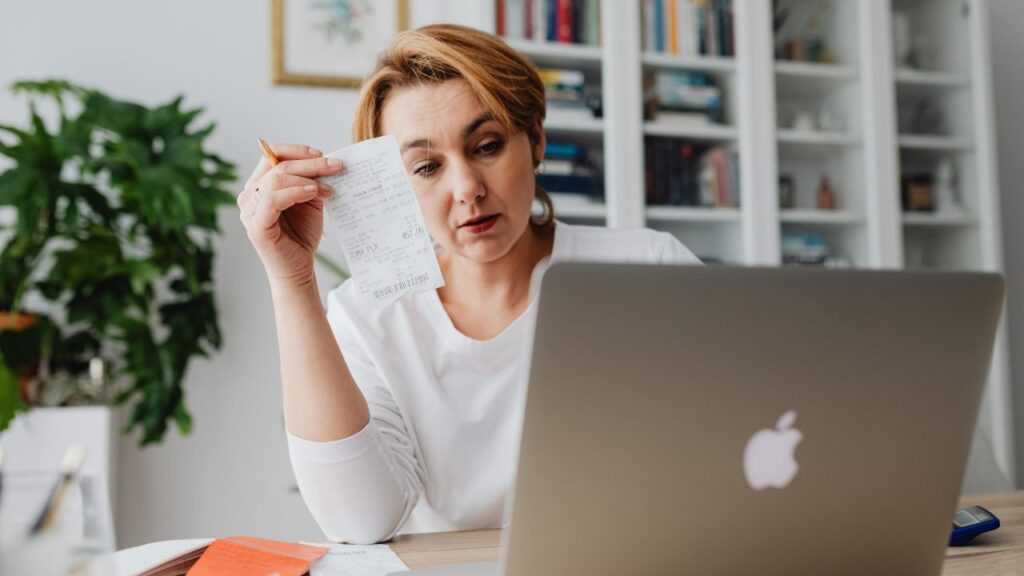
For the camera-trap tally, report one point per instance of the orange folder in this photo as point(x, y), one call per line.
point(248, 556)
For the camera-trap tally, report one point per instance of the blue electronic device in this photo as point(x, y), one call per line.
point(969, 522)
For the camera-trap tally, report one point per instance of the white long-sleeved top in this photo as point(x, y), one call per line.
point(445, 409)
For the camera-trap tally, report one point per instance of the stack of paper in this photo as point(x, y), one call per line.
point(179, 557)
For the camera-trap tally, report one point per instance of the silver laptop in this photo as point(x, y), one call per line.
point(746, 421)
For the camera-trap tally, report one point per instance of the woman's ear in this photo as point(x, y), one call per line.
point(539, 141)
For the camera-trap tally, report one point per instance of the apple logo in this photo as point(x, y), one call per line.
point(768, 459)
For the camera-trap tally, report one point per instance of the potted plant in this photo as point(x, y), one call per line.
point(106, 271)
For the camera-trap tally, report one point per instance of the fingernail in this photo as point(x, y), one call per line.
point(315, 152)
point(326, 190)
point(333, 162)
point(309, 187)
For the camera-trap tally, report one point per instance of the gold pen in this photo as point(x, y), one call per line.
point(268, 153)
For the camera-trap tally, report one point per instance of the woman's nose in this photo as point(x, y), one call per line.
point(467, 185)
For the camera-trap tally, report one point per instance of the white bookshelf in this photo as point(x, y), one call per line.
point(825, 217)
point(691, 214)
point(871, 98)
point(704, 132)
point(811, 70)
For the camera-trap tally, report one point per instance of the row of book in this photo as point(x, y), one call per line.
point(684, 173)
point(682, 96)
point(567, 170)
point(804, 249)
point(564, 21)
point(688, 27)
point(568, 96)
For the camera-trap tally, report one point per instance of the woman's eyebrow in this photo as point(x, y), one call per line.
point(466, 132)
point(421, 143)
point(476, 123)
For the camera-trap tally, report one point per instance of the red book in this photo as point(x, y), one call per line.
point(529, 19)
point(565, 21)
point(499, 24)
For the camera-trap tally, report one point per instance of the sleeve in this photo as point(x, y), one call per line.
point(674, 252)
point(360, 489)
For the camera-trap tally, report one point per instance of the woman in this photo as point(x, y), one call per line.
point(407, 417)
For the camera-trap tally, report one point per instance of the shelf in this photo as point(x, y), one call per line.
point(817, 138)
point(575, 206)
point(912, 77)
point(714, 132)
point(839, 217)
point(945, 143)
point(923, 219)
point(814, 70)
point(557, 51)
point(706, 63)
point(558, 121)
point(692, 214)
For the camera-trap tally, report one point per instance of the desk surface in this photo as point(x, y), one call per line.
point(995, 553)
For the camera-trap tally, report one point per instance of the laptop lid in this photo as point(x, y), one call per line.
point(714, 420)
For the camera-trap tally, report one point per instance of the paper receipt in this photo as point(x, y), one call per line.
point(377, 219)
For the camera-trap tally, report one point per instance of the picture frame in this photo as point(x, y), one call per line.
point(331, 42)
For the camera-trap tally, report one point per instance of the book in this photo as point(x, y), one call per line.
point(685, 34)
point(593, 24)
point(539, 15)
point(558, 166)
point(647, 28)
point(659, 25)
point(564, 21)
point(684, 173)
point(552, 16)
point(564, 150)
point(688, 27)
point(808, 249)
point(684, 92)
point(671, 21)
point(515, 19)
point(562, 85)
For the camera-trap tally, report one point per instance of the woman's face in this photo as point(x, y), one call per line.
point(474, 181)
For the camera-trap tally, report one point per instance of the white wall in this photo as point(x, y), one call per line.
point(1007, 16)
point(231, 475)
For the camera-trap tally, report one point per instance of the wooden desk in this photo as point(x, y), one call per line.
point(996, 553)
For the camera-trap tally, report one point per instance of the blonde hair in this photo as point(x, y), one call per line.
point(505, 82)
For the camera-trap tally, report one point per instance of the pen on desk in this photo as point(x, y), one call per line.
point(268, 152)
point(68, 471)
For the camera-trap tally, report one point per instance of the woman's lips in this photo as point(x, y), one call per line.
point(481, 225)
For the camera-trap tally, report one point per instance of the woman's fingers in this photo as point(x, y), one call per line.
point(310, 167)
point(267, 208)
point(284, 153)
point(252, 194)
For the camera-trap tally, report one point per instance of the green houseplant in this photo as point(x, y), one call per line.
point(110, 252)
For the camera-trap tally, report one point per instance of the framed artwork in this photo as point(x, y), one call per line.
point(331, 42)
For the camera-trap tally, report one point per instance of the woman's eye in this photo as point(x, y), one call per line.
point(490, 148)
point(426, 169)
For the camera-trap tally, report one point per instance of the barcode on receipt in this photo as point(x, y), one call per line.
point(399, 286)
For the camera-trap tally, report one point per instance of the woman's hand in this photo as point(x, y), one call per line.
point(282, 209)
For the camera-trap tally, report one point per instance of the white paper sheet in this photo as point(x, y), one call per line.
point(377, 219)
point(141, 559)
point(356, 560)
